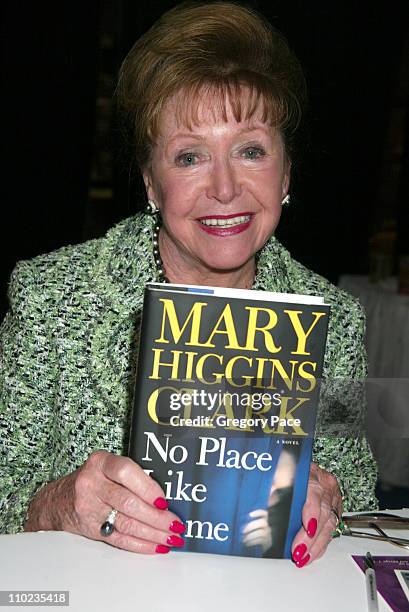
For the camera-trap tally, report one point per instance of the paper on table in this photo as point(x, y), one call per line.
point(403, 577)
point(387, 582)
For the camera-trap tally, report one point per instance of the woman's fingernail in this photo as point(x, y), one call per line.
point(161, 503)
point(304, 561)
point(312, 527)
point(177, 527)
point(299, 552)
point(175, 540)
point(162, 549)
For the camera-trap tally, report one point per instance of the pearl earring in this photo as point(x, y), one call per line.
point(151, 208)
point(286, 200)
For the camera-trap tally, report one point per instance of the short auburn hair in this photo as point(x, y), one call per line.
point(208, 48)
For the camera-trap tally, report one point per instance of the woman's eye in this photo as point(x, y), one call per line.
point(186, 159)
point(253, 152)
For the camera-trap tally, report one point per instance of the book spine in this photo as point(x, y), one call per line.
point(143, 359)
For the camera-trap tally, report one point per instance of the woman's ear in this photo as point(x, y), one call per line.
point(147, 179)
point(286, 177)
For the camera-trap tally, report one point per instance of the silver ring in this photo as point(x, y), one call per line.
point(109, 525)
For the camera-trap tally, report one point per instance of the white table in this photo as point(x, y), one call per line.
point(101, 578)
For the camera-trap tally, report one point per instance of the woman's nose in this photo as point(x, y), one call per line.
point(224, 183)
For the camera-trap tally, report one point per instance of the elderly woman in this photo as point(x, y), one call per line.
point(212, 96)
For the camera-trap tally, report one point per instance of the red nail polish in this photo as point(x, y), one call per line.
point(162, 549)
point(161, 503)
point(299, 552)
point(177, 527)
point(304, 561)
point(175, 540)
point(312, 527)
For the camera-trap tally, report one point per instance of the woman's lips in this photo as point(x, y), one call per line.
point(225, 225)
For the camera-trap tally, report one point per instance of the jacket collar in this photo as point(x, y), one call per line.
point(126, 263)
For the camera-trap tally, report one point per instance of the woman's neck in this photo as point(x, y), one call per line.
point(236, 279)
point(180, 269)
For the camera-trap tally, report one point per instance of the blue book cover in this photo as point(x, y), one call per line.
point(225, 404)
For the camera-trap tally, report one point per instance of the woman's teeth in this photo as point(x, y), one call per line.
point(226, 222)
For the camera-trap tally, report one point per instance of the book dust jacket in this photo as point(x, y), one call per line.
point(225, 404)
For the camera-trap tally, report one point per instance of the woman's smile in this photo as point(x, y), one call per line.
point(226, 225)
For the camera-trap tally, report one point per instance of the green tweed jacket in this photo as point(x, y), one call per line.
point(68, 356)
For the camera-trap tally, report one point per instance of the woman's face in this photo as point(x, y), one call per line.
point(219, 186)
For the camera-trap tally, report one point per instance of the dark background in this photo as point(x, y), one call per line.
point(64, 180)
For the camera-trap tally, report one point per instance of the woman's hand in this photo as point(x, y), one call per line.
point(319, 520)
point(80, 503)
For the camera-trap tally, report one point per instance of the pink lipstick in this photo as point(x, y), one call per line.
point(225, 225)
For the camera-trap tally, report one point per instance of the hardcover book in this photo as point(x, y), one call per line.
point(225, 404)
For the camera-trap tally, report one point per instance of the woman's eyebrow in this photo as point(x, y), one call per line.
point(185, 135)
point(201, 138)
